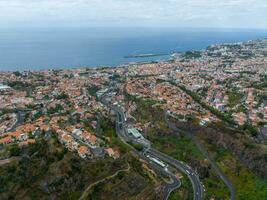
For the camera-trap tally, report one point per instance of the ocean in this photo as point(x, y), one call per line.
point(56, 48)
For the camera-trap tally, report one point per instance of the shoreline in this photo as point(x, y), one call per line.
point(93, 67)
point(138, 56)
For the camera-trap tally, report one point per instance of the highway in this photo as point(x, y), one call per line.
point(193, 177)
point(175, 183)
point(204, 152)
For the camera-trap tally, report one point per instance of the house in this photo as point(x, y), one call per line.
point(79, 109)
point(68, 141)
point(204, 121)
point(219, 106)
point(66, 138)
point(27, 142)
point(19, 136)
point(92, 139)
point(45, 127)
point(6, 140)
point(27, 128)
point(94, 123)
point(112, 153)
point(4, 87)
point(72, 146)
point(77, 132)
point(85, 135)
point(240, 118)
point(83, 151)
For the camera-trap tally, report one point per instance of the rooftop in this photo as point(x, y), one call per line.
point(4, 87)
point(135, 133)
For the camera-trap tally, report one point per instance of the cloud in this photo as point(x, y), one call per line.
point(181, 13)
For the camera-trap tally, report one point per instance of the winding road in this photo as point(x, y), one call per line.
point(204, 152)
point(193, 177)
point(19, 121)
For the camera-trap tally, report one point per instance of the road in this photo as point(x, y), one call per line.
point(85, 193)
point(222, 176)
point(8, 160)
point(121, 132)
point(169, 187)
point(19, 121)
point(193, 177)
point(5, 161)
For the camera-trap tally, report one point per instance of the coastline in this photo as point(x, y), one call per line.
point(53, 49)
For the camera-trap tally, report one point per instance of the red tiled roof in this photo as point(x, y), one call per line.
point(6, 140)
point(83, 150)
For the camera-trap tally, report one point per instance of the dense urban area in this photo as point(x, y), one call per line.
point(191, 127)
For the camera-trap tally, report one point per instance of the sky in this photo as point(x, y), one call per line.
point(154, 13)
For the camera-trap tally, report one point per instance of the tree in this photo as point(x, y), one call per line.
point(31, 135)
point(15, 150)
point(17, 73)
point(62, 96)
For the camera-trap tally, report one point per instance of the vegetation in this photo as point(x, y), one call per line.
point(55, 109)
point(126, 184)
point(46, 170)
point(226, 117)
point(134, 184)
point(15, 150)
point(180, 147)
point(4, 111)
point(62, 96)
point(234, 98)
point(108, 132)
point(192, 54)
point(262, 97)
point(21, 86)
point(242, 108)
point(17, 73)
point(37, 115)
point(182, 193)
point(92, 90)
point(138, 147)
point(249, 129)
point(146, 113)
point(260, 85)
point(247, 184)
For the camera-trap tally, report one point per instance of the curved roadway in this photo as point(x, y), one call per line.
point(193, 177)
point(222, 176)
